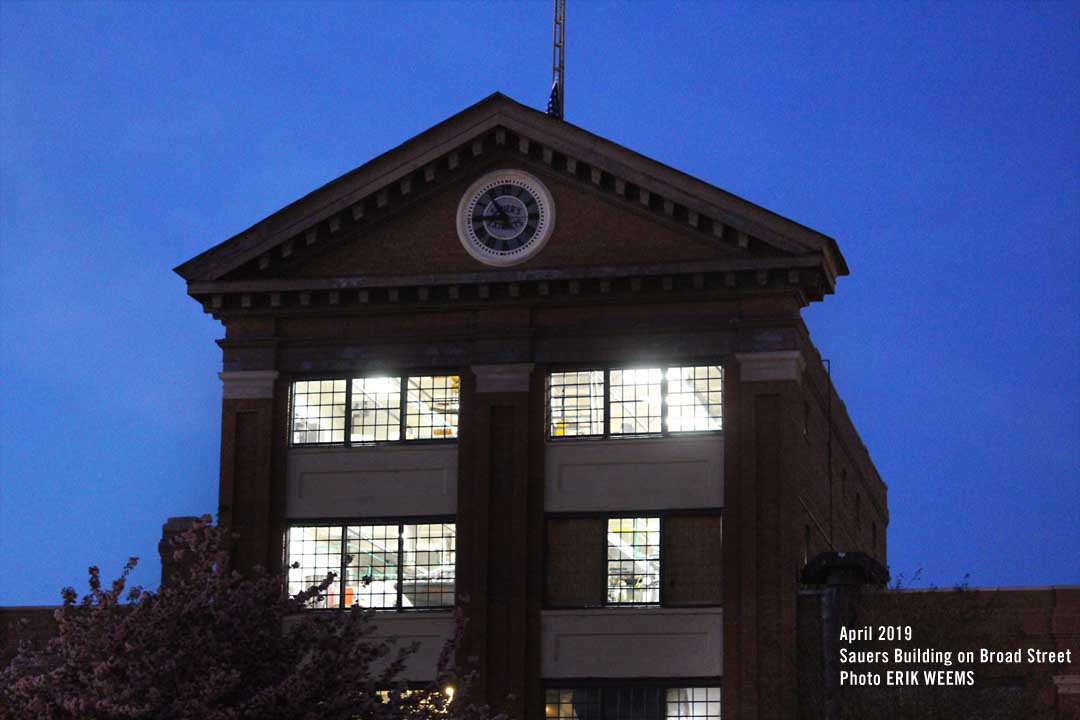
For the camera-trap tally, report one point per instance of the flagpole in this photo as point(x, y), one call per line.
point(558, 78)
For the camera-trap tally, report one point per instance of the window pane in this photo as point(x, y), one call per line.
point(636, 702)
point(633, 572)
point(371, 578)
point(576, 403)
point(318, 412)
point(700, 702)
point(635, 401)
point(695, 398)
point(429, 565)
point(572, 704)
point(376, 409)
point(432, 407)
point(632, 703)
point(317, 550)
point(575, 562)
point(692, 550)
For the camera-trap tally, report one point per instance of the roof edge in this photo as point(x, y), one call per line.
point(494, 110)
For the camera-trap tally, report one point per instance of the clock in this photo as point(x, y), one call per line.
point(505, 217)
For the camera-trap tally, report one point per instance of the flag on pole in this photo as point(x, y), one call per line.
point(554, 106)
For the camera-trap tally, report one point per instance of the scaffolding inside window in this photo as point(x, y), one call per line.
point(576, 403)
point(318, 416)
point(635, 401)
point(390, 566)
point(432, 407)
point(633, 565)
point(318, 411)
point(694, 398)
point(376, 409)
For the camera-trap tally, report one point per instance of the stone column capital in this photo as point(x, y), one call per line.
point(507, 377)
point(771, 366)
point(248, 384)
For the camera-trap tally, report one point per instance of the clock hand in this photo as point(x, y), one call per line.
point(505, 218)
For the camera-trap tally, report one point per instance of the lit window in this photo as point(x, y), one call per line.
point(633, 565)
point(694, 398)
point(636, 401)
point(432, 404)
point(696, 702)
point(635, 397)
point(418, 702)
point(572, 704)
point(593, 561)
point(376, 409)
point(318, 411)
point(632, 703)
point(398, 566)
point(317, 551)
point(371, 577)
point(576, 403)
point(375, 413)
point(428, 553)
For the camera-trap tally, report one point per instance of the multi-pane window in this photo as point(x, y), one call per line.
point(391, 566)
point(427, 568)
point(318, 552)
point(643, 702)
point(371, 575)
point(432, 407)
point(695, 702)
point(576, 403)
point(318, 411)
point(375, 409)
point(633, 560)
point(635, 401)
point(695, 398)
point(673, 559)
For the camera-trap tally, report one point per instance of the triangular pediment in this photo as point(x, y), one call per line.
point(619, 213)
point(591, 230)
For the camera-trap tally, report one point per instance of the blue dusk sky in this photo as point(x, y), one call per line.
point(939, 143)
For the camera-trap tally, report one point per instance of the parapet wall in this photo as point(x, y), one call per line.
point(33, 623)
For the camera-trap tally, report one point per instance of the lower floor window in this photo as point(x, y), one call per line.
point(632, 703)
point(671, 559)
point(633, 560)
point(386, 566)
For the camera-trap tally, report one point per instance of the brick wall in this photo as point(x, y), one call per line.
point(34, 624)
point(953, 620)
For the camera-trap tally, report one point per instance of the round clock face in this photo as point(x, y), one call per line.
point(505, 217)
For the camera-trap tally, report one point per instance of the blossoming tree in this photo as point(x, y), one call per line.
point(214, 644)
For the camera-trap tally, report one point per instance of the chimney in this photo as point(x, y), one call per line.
point(173, 527)
point(838, 578)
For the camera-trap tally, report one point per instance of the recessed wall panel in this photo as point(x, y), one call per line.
point(431, 631)
point(372, 481)
point(638, 473)
point(632, 642)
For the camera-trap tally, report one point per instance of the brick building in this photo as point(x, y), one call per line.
point(515, 366)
